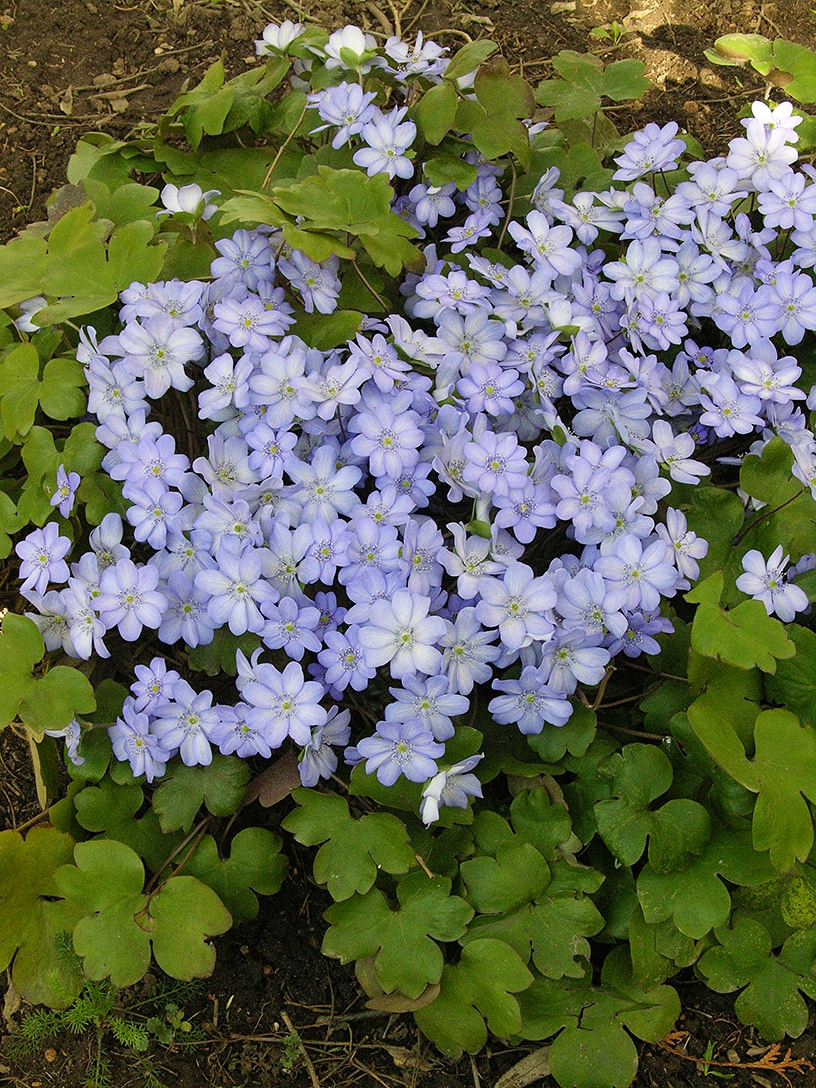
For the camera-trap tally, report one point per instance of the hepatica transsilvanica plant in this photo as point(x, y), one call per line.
point(425, 463)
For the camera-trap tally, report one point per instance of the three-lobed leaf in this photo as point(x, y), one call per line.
point(403, 941)
point(353, 850)
point(116, 922)
point(476, 993)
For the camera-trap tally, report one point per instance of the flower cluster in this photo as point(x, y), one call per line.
point(473, 491)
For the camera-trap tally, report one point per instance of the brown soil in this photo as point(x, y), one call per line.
point(97, 65)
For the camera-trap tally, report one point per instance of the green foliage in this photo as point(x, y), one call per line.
point(30, 932)
point(255, 864)
point(745, 636)
point(640, 774)
point(403, 942)
point(771, 986)
point(115, 922)
point(476, 993)
point(353, 850)
point(696, 851)
point(220, 786)
point(593, 1045)
point(782, 773)
point(784, 64)
point(585, 80)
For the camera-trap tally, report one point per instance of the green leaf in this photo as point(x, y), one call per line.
point(182, 918)
point(435, 112)
point(133, 255)
point(21, 648)
point(476, 994)
point(63, 393)
point(506, 99)
point(117, 921)
point(640, 773)
point(542, 823)
point(782, 771)
point(468, 59)
point(324, 332)
point(624, 80)
point(771, 1000)
point(794, 683)
point(19, 390)
point(220, 786)
point(255, 864)
point(738, 48)
point(353, 851)
point(594, 1049)
point(64, 693)
point(22, 266)
point(516, 875)
point(110, 809)
point(695, 897)
point(444, 168)
point(798, 904)
point(218, 656)
point(205, 107)
point(552, 930)
point(715, 515)
point(10, 522)
point(570, 100)
point(403, 942)
point(29, 934)
point(550, 745)
point(744, 636)
point(767, 477)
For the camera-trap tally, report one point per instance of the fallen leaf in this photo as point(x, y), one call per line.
point(276, 782)
point(534, 1067)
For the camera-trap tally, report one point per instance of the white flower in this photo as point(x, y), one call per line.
point(451, 787)
point(29, 308)
point(190, 199)
point(347, 48)
point(277, 39)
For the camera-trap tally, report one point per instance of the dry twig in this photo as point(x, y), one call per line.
point(772, 1061)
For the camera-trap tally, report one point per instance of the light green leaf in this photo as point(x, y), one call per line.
point(117, 921)
point(19, 390)
point(29, 934)
point(22, 266)
point(782, 771)
point(744, 636)
point(63, 393)
point(182, 917)
point(64, 693)
point(21, 648)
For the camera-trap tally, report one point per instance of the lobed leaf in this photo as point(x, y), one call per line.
point(353, 850)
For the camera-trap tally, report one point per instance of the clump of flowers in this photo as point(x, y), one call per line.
point(475, 490)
